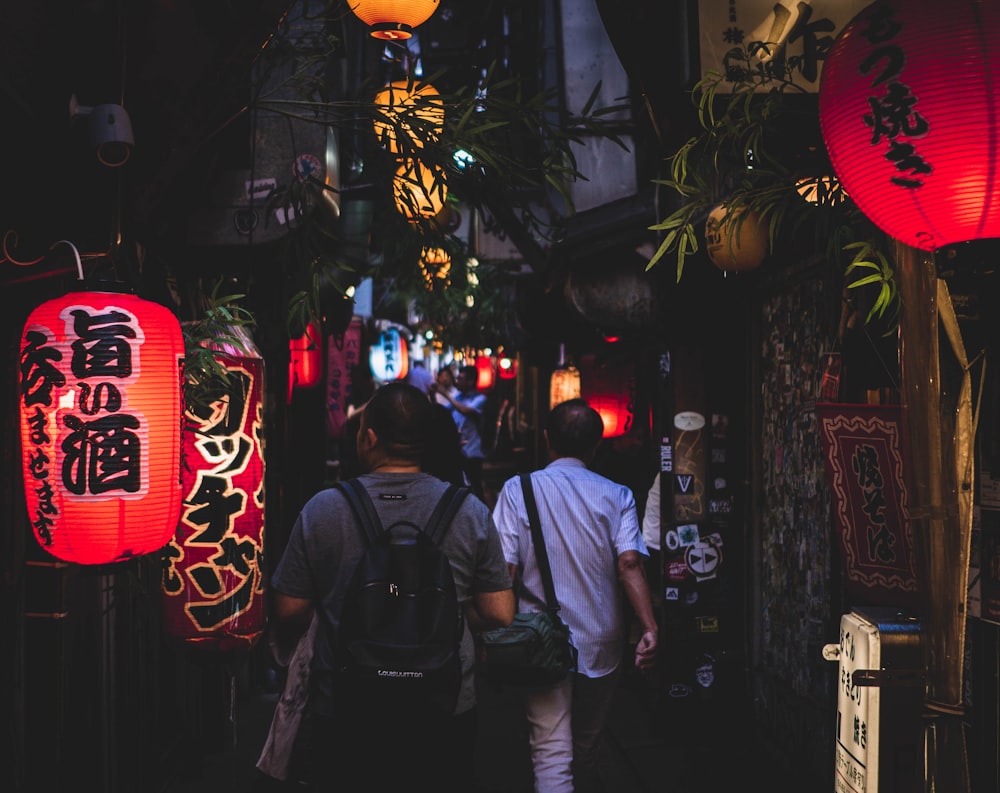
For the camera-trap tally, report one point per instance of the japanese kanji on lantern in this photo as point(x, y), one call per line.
point(213, 579)
point(100, 405)
point(389, 357)
point(908, 108)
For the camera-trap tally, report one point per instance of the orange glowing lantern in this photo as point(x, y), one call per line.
point(908, 109)
point(435, 264)
point(609, 387)
point(393, 19)
point(100, 397)
point(389, 356)
point(419, 190)
point(485, 373)
point(213, 569)
point(407, 107)
point(735, 241)
point(305, 359)
point(564, 384)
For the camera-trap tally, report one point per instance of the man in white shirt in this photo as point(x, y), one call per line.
point(596, 552)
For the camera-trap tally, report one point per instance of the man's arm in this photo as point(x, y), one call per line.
point(632, 574)
point(291, 620)
point(491, 610)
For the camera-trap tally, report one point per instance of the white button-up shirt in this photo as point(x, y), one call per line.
point(587, 521)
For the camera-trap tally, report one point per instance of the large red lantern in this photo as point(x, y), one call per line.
point(100, 382)
point(609, 387)
point(213, 571)
point(909, 113)
point(305, 359)
point(393, 19)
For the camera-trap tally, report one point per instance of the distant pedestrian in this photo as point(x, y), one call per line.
point(467, 408)
point(444, 386)
point(596, 553)
point(418, 376)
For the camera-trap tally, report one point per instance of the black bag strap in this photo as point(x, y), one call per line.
point(440, 520)
point(536, 537)
point(364, 510)
point(363, 507)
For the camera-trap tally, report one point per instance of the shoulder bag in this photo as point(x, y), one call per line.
point(535, 649)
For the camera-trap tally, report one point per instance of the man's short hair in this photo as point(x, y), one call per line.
point(470, 371)
point(400, 414)
point(574, 429)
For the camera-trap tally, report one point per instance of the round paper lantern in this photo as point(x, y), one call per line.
point(435, 264)
point(305, 359)
point(419, 190)
point(735, 241)
point(389, 356)
point(564, 384)
point(909, 112)
point(213, 571)
point(609, 387)
point(393, 19)
point(100, 405)
point(485, 373)
point(402, 101)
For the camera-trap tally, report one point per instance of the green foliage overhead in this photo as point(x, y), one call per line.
point(758, 149)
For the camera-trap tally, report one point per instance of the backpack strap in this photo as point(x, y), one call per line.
point(361, 505)
point(440, 520)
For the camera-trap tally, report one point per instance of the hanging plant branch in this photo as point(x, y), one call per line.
point(743, 157)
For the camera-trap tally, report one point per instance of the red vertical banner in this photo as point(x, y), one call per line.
point(343, 354)
point(213, 582)
point(863, 454)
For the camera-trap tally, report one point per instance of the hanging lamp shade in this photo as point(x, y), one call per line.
point(100, 405)
point(736, 241)
point(506, 367)
point(909, 110)
point(609, 387)
point(485, 373)
point(305, 359)
point(393, 19)
point(564, 384)
point(389, 356)
point(212, 585)
point(419, 190)
point(411, 109)
point(435, 265)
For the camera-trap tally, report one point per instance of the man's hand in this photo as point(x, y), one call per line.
point(645, 651)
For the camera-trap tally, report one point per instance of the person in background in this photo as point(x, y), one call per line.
point(443, 457)
point(596, 555)
point(467, 408)
point(418, 376)
point(444, 386)
point(390, 751)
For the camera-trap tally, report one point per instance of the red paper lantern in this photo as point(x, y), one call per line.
point(213, 574)
point(393, 19)
point(909, 114)
point(100, 425)
point(305, 359)
point(506, 368)
point(609, 387)
point(485, 373)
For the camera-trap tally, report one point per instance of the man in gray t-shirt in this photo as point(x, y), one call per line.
point(314, 571)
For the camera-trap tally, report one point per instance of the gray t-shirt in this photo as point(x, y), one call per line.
point(325, 546)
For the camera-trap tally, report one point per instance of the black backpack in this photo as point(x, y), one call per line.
point(400, 624)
